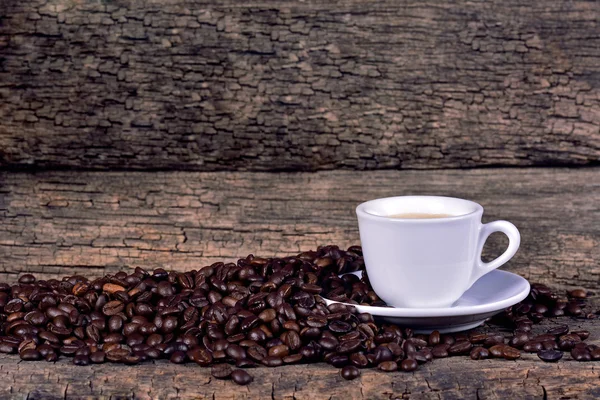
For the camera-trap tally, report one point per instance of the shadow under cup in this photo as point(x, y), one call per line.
point(421, 263)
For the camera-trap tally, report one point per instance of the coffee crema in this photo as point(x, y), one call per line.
point(418, 216)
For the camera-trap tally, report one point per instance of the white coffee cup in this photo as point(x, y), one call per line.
point(425, 263)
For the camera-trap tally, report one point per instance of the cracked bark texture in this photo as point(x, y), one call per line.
point(455, 378)
point(285, 85)
point(93, 223)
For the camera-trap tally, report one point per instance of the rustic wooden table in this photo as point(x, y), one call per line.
point(92, 223)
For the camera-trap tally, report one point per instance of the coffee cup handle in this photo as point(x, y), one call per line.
point(514, 240)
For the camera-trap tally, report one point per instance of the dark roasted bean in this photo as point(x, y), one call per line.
point(559, 330)
point(350, 372)
point(408, 365)
point(440, 351)
point(241, 377)
point(550, 355)
point(575, 293)
point(461, 347)
point(221, 371)
point(388, 366)
point(271, 361)
point(532, 347)
point(30, 355)
point(479, 353)
point(97, 357)
point(578, 354)
point(510, 353)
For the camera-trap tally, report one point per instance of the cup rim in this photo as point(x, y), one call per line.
point(361, 211)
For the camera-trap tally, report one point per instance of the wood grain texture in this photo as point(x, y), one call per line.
point(257, 85)
point(454, 378)
point(93, 223)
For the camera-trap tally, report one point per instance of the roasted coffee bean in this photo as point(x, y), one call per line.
point(496, 350)
point(359, 360)
point(550, 355)
point(510, 353)
point(350, 372)
point(178, 357)
point(434, 338)
point(338, 360)
point(235, 351)
point(292, 358)
point(279, 351)
point(408, 365)
point(461, 347)
point(349, 346)
point(493, 340)
point(479, 353)
point(578, 293)
point(559, 330)
point(578, 354)
point(440, 351)
point(388, 366)
point(241, 377)
point(30, 355)
point(582, 334)
point(221, 371)
point(532, 347)
point(272, 361)
point(519, 339)
point(81, 360)
point(97, 357)
point(113, 307)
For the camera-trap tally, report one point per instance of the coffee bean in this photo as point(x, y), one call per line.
point(81, 360)
point(97, 357)
point(349, 346)
point(559, 330)
point(178, 357)
point(461, 347)
point(550, 355)
point(279, 351)
point(497, 350)
point(532, 347)
point(241, 377)
point(337, 360)
point(493, 340)
point(440, 351)
point(221, 371)
point(578, 354)
point(236, 352)
point(113, 307)
point(408, 365)
point(350, 372)
point(388, 366)
point(272, 361)
point(578, 293)
point(582, 334)
point(30, 355)
point(479, 353)
point(510, 353)
point(434, 338)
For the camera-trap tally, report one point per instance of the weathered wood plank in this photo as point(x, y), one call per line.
point(93, 223)
point(454, 378)
point(298, 85)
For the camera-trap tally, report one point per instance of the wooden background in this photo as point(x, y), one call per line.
point(285, 85)
point(177, 133)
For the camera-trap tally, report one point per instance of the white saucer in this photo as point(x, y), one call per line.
point(491, 294)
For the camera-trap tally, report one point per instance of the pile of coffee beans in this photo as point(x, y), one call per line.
point(257, 312)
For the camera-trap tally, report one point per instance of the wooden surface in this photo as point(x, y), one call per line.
point(93, 223)
point(454, 378)
point(264, 85)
